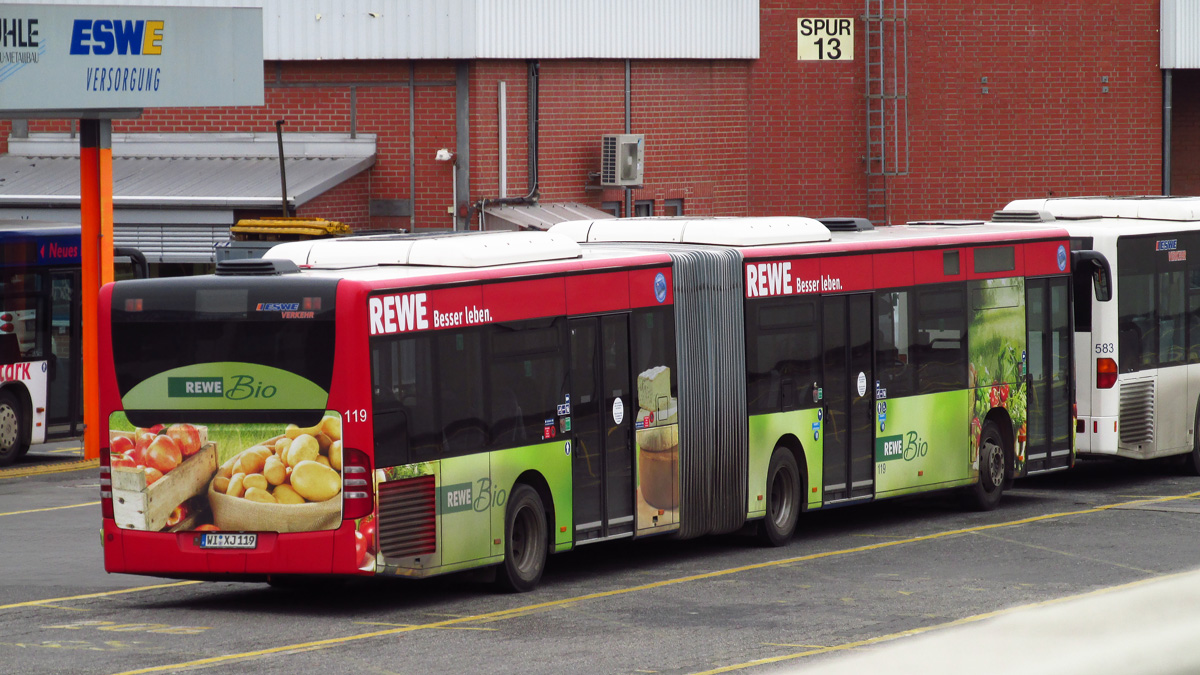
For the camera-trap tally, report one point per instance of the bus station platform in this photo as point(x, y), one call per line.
point(1148, 626)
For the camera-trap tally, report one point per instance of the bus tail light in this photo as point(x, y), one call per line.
point(106, 500)
point(1106, 373)
point(358, 493)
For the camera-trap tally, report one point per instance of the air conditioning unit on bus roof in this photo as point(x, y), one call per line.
point(621, 159)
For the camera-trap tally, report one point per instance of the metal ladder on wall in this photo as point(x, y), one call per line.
point(886, 23)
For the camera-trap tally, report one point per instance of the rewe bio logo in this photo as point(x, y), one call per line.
point(908, 446)
point(241, 387)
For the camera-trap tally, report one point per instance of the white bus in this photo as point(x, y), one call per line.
point(1138, 357)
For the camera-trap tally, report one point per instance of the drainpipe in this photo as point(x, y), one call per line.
point(628, 130)
point(1166, 177)
point(282, 172)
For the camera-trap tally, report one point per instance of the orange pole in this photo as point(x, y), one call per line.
point(96, 251)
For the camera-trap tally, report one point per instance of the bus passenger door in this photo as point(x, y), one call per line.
point(602, 415)
point(849, 398)
point(1048, 399)
point(64, 382)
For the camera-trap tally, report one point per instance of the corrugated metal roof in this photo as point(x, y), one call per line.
point(185, 170)
point(497, 29)
point(537, 216)
point(1179, 33)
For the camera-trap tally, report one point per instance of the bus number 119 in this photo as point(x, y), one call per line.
point(359, 415)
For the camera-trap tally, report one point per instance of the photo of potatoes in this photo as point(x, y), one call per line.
point(246, 477)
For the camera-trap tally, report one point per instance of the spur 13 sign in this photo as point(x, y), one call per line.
point(56, 58)
point(825, 39)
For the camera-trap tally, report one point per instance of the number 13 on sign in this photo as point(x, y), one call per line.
point(825, 39)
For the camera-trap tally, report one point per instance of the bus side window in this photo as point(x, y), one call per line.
point(1193, 314)
point(525, 369)
point(389, 418)
point(10, 348)
point(463, 427)
point(1137, 305)
point(1172, 305)
point(783, 354)
point(893, 343)
point(940, 347)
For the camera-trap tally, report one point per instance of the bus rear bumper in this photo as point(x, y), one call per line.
point(1096, 436)
point(178, 554)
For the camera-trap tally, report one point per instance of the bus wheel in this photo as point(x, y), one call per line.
point(1193, 459)
point(783, 499)
point(985, 495)
point(12, 436)
point(525, 541)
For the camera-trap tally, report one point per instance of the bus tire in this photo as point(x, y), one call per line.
point(783, 499)
point(985, 494)
point(1193, 458)
point(526, 542)
point(13, 437)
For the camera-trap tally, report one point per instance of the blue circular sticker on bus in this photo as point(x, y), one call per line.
point(660, 287)
point(1062, 257)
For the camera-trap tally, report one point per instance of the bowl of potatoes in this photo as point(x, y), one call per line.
point(288, 483)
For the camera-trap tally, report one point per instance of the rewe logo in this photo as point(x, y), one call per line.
point(189, 387)
point(398, 313)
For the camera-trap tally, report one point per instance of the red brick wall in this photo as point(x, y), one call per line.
point(1045, 126)
point(485, 80)
point(693, 114)
point(348, 200)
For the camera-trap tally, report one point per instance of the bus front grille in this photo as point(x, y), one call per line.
point(407, 517)
point(1136, 423)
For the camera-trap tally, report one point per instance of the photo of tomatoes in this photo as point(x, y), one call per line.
point(365, 540)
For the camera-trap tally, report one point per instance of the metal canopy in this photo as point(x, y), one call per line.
point(537, 216)
point(173, 171)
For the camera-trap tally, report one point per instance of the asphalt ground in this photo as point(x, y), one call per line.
point(857, 583)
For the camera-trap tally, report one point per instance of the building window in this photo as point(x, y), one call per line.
point(614, 208)
point(642, 208)
point(673, 207)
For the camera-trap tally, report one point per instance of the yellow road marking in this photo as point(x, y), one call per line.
point(407, 625)
point(136, 589)
point(76, 448)
point(526, 609)
point(58, 467)
point(49, 508)
point(779, 644)
point(925, 629)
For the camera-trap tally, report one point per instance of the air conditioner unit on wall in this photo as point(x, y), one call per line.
point(621, 159)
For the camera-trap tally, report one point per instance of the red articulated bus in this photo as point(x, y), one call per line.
point(417, 405)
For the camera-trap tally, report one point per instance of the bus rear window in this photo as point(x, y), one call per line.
point(172, 323)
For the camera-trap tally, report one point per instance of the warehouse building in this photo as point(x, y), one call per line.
point(519, 113)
